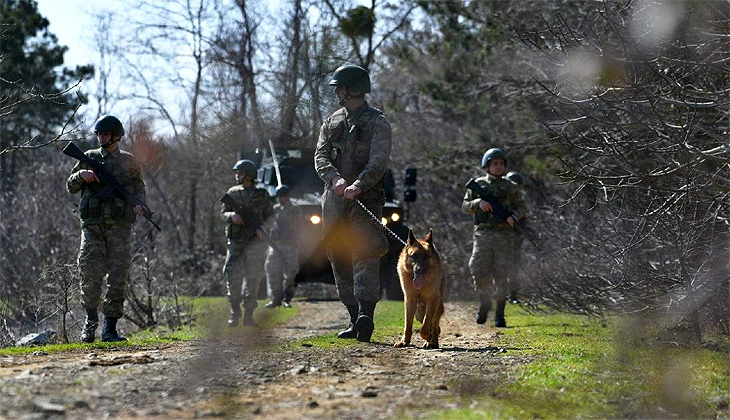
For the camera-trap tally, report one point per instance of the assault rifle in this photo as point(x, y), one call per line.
point(501, 213)
point(251, 222)
point(111, 184)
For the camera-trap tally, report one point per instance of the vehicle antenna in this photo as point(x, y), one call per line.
point(276, 163)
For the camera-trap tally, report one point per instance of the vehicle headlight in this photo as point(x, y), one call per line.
point(315, 219)
point(395, 217)
point(384, 221)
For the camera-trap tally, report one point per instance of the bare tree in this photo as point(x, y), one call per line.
point(172, 32)
point(61, 292)
point(639, 109)
point(359, 24)
point(234, 48)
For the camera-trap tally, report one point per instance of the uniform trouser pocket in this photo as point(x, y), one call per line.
point(491, 263)
point(105, 251)
point(244, 271)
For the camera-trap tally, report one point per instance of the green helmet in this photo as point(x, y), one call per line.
point(111, 124)
point(514, 177)
point(493, 153)
point(246, 167)
point(352, 77)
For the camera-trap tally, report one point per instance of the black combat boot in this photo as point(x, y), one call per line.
point(499, 321)
point(276, 301)
point(364, 324)
point(92, 321)
point(350, 332)
point(288, 295)
point(485, 304)
point(109, 330)
point(235, 315)
point(248, 318)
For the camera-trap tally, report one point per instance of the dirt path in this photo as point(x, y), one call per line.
point(237, 378)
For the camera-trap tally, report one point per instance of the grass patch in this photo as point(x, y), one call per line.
point(209, 313)
point(583, 368)
point(388, 323)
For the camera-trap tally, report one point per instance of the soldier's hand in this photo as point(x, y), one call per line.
point(236, 219)
point(88, 176)
point(260, 233)
point(351, 192)
point(138, 210)
point(511, 221)
point(339, 184)
point(485, 206)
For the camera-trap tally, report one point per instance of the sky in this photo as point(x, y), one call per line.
point(71, 22)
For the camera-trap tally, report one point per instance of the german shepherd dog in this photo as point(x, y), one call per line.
point(422, 279)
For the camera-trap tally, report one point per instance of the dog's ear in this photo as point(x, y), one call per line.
point(429, 237)
point(411, 239)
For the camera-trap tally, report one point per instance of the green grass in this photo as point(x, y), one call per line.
point(580, 369)
point(210, 315)
point(388, 323)
point(576, 367)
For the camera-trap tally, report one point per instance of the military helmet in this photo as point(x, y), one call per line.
point(246, 167)
point(281, 190)
point(352, 77)
point(109, 123)
point(514, 177)
point(493, 153)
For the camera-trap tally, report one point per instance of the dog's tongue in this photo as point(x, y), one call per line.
point(419, 281)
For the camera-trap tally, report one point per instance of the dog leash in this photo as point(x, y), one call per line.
point(387, 229)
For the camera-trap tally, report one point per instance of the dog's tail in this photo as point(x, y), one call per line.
point(420, 312)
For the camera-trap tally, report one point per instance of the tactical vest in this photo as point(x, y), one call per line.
point(501, 191)
point(255, 200)
point(96, 204)
point(351, 143)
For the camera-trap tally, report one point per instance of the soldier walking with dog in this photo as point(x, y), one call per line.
point(492, 254)
point(351, 159)
point(106, 228)
point(246, 250)
point(282, 262)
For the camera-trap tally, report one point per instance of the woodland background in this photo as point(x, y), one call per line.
point(616, 113)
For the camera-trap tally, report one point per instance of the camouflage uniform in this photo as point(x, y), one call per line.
point(106, 230)
point(245, 255)
point(492, 259)
point(282, 269)
point(355, 146)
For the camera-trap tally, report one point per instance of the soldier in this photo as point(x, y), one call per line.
point(514, 279)
point(491, 258)
point(282, 263)
point(245, 249)
point(351, 158)
point(106, 228)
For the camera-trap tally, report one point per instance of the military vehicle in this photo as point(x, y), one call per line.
point(296, 167)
